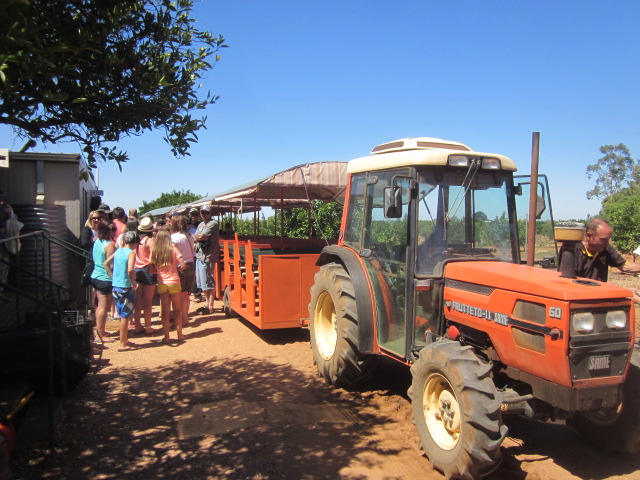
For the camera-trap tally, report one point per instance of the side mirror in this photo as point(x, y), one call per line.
point(392, 202)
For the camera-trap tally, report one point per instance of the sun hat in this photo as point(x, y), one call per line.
point(205, 208)
point(146, 225)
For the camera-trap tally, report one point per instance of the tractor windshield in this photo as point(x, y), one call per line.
point(463, 213)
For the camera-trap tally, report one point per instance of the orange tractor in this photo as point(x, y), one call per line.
point(428, 271)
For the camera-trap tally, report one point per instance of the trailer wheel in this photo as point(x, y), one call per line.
point(334, 328)
point(226, 304)
point(615, 429)
point(456, 410)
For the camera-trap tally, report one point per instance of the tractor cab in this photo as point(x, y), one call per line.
point(414, 206)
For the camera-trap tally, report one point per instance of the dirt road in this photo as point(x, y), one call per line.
point(235, 403)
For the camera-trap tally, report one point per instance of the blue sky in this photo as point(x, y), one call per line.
point(313, 81)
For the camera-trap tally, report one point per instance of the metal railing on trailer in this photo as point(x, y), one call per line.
point(36, 312)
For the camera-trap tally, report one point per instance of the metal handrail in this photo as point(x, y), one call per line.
point(51, 303)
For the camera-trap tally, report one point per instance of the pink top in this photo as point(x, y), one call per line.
point(143, 253)
point(168, 275)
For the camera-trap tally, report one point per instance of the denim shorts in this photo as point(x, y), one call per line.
point(143, 277)
point(101, 286)
point(204, 275)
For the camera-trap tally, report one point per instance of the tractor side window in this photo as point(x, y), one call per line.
point(353, 227)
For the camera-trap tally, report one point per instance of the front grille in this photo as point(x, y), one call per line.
point(599, 355)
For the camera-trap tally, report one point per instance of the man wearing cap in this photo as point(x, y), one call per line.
point(207, 248)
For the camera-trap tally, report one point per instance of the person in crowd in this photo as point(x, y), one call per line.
point(146, 278)
point(194, 217)
point(168, 261)
point(130, 226)
point(595, 255)
point(89, 231)
point(119, 219)
point(10, 227)
point(194, 220)
point(207, 251)
point(228, 230)
point(103, 248)
point(88, 235)
point(105, 211)
point(120, 267)
point(183, 241)
point(133, 214)
point(159, 225)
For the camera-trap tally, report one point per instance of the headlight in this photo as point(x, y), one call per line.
point(458, 160)
point(491, 163)
point(583, 322)
point(616, 319)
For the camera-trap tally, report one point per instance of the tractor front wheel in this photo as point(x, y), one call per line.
point(456, 410)
point(334, 328)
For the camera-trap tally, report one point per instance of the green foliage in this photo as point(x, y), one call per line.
point(325, 222)
point(615, 171)
point(169, 200)
point(623, 212)
point(95, 71)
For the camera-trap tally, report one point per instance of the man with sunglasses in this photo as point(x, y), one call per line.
point(206, 250)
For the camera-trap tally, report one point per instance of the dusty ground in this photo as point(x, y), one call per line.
point(236, 403)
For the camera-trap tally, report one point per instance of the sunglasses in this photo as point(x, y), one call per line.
point(95, 218)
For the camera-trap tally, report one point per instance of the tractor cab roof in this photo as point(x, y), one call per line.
point(421, 151)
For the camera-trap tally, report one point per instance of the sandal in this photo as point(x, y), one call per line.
point(129, 347)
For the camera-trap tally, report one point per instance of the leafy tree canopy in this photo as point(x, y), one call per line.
point(615, 171)
point(623, 213)
point(96, 71)
point(169, 200)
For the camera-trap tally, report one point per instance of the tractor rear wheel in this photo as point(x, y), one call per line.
point(456, 410)
point(334, 328)
point(615, 429)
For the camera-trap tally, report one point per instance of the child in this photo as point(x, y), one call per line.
point(124, 284)
point(167, 259)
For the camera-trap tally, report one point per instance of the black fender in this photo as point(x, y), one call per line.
point(351, 262)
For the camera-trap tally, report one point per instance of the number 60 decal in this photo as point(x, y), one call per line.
point(555, 312)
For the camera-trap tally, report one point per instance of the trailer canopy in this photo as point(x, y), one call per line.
point(325, 181)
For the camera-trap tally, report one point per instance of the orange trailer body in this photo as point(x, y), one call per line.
point(266, 283)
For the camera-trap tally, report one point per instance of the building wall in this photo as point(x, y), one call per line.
point(57, 182)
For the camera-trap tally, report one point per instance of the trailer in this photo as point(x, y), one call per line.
point(267, 279)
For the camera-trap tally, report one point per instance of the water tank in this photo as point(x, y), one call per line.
point(34, 254)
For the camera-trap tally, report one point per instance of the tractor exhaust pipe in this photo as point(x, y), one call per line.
point(533, 199)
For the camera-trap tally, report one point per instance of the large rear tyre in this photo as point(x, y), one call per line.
point(334, 328)
point(615, 429)
point(456, 410)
